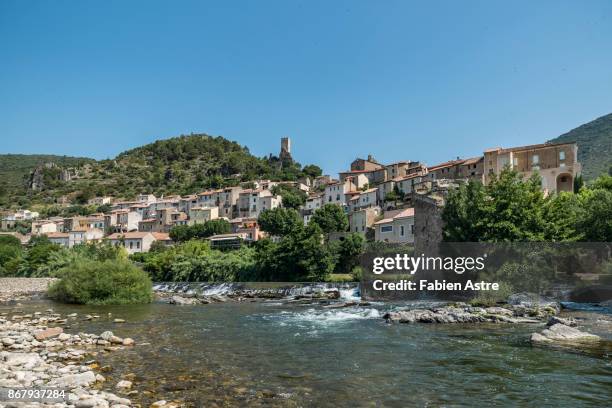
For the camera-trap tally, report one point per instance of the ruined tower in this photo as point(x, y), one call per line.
point(285, 151)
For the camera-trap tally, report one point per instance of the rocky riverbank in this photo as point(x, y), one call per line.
point(246, 296)
point(18, 289)
point(35, 352)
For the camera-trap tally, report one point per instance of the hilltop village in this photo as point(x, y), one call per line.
point(394, 202)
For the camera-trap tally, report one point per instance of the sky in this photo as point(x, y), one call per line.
point(401, 80)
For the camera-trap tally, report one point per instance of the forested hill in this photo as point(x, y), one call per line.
point(594, 145)
point(179, 165)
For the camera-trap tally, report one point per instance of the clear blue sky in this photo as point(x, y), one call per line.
point(399, 79)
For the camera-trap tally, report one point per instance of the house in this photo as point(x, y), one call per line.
point(408, 184)
point(200, 215)
point(122, 220)
point(252, 202)
point(133, 242)
point(248, 227)
point(186, 203)
point(100, 200)
point(363, 219)
point(321, 181)
point(396, 227)
point(9, 221)
point(335, 193)
point(227, 241)
point(42, 227)
point(472, 168)
point(556, 163)
point(59, 238)
point(227, 201)
point(313, 203)
point(361, 199)
point(447, 170)
point(82, 235)
point(166, 218)
point(147, 225)
point(163, 238)
point(146, 198)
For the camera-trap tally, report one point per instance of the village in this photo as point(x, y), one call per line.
point(395, 203)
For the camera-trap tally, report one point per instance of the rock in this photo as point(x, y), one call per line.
point(564, 334)
point(159, 404)
point(570, 321)
point(7, 341)
point(28, 360)
point(128, 341)
point(107, 335)
point(118, 321)
point(48, 333)
point(532, 300)
point(63, 337)
point(74, 380)
point(124, 385)
point(179, 300)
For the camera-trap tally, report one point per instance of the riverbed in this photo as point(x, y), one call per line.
point(275, 353)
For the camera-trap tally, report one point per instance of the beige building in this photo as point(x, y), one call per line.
point(335, 193)
point(200, 215)
point(133, 242)
point(362, 220)
point(122, 220)
point(396, 227)
point(41, 227)
point(556, 163)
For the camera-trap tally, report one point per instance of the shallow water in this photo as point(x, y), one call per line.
point(278, 354)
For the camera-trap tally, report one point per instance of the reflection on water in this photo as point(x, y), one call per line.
point(279, 354)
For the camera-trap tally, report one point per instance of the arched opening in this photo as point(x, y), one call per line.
point(565, 182)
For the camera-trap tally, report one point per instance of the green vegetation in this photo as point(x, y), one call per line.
point(107, 282)
point(330, 218)
point(292, 197)
point(182, 233)
point(510, 209)
point(179, 165)
point(594, 145)
point(280, 221)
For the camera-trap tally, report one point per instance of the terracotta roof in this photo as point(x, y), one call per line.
point(408, 212)
point(57, 235)
point(161, 236)
point(473, 160)
point(446, 164)
point(528, 147)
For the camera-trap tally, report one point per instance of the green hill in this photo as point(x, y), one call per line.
point(179, 165)
point(594, 145)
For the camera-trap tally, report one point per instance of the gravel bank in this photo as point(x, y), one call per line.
point(15, 289)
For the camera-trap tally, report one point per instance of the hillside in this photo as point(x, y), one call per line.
point(15, 168)
point(594, 145)
point(179, 165)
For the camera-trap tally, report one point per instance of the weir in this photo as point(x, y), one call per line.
point(347, 290)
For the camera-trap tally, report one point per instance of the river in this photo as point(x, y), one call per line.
point(274, 353)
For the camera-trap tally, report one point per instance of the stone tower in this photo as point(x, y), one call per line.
point(285, 152)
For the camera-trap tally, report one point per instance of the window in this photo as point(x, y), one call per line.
point(137, 244)
point(337, 197)
point(515, 161)
point(561, 155)
point(402, 232)
point(131, 244)
point(412, 229)
point(386, 228)
point(535, 159)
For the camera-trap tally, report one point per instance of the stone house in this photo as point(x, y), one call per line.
point(133, 242)
point(396, 227)
point(362, 220)
point(556, 163)
point(200, 215)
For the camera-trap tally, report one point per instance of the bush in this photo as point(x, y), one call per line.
point(102, 282)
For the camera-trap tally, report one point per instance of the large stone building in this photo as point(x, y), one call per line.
point(556, 163)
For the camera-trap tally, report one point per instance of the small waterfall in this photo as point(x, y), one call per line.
point(348, 291)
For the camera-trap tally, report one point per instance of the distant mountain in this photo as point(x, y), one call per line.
point(594, 145)
point(180, 165)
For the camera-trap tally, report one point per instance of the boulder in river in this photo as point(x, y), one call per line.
point(560, 333)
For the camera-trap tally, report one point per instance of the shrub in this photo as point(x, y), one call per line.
point(102, 282)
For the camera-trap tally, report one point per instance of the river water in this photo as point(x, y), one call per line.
point(274, 353)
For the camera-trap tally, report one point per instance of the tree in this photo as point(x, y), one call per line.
point(330, 218)
point(596, 220)
point(348, 251)
point(182, 233)
point(279, 221)
point(312, 170)
point(292, 197)
point(508, 209)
